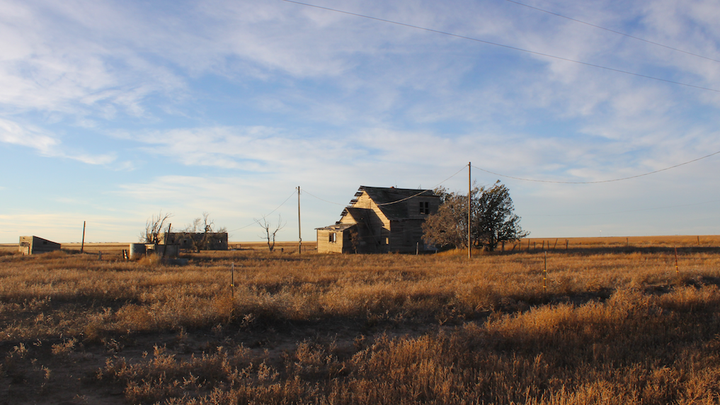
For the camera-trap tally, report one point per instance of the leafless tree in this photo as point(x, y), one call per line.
point(153, 227)
point(269, 235)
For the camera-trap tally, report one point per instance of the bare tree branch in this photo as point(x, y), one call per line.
point(269, 235)
point(200, 232)
point(153, 227)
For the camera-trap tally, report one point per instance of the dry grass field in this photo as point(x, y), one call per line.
point(593, 321)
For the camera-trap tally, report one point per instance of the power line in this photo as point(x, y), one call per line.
point(330, 202)
point(283, 203)
point(422, 192)
point(504, 46)
point(321, 199)
point(599, 181)
point(391, 202)
point(611, 30)
point(494, 173)
point(255, 222)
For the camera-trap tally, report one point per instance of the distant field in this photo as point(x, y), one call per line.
point(115, 249)
point(617, 241)
point(601, 322)
point(527, 243)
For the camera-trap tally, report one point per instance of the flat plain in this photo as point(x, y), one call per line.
point(546, 321)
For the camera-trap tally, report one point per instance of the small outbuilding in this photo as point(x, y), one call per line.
point(380, 220)
point(30, 245)
point(196, 240)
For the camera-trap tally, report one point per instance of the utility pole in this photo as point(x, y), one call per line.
point(299, 224)
point(166, 240)
point(82, 245)
point(469, 200)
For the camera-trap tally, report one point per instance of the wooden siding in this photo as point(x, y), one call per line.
point(404, 235)
point(379, 219)
point(30, 245)
point(381, 227)
point(342, 242)
point(373, 228)
point(324, 244)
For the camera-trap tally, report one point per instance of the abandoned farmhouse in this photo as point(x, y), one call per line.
point(377, 220)
point(380, 220)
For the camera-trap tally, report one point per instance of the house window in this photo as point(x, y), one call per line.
point(424, 207)
point(333, 237)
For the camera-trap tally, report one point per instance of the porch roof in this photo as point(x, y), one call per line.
point(336, 227)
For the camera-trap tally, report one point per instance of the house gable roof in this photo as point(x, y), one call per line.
point(357, 214)
point(390, 199)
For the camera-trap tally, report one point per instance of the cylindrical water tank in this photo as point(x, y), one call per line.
point(137, 250)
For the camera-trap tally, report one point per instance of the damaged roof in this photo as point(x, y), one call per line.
point(337, 227)
point(389, 199)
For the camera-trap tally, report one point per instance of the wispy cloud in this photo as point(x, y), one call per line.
point(214, 103)
point(73, 59)
point(11, 132)
point(46, 144)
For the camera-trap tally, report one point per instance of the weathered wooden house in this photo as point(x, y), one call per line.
point(30, 245)
point(380, 220)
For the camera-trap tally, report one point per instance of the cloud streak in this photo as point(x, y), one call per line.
point(216, 103)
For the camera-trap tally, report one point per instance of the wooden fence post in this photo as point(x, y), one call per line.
point(232, 281)
point(545, 273)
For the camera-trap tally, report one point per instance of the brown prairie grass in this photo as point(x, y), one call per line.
point(609, 326)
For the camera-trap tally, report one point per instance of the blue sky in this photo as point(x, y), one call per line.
point(112, 111)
